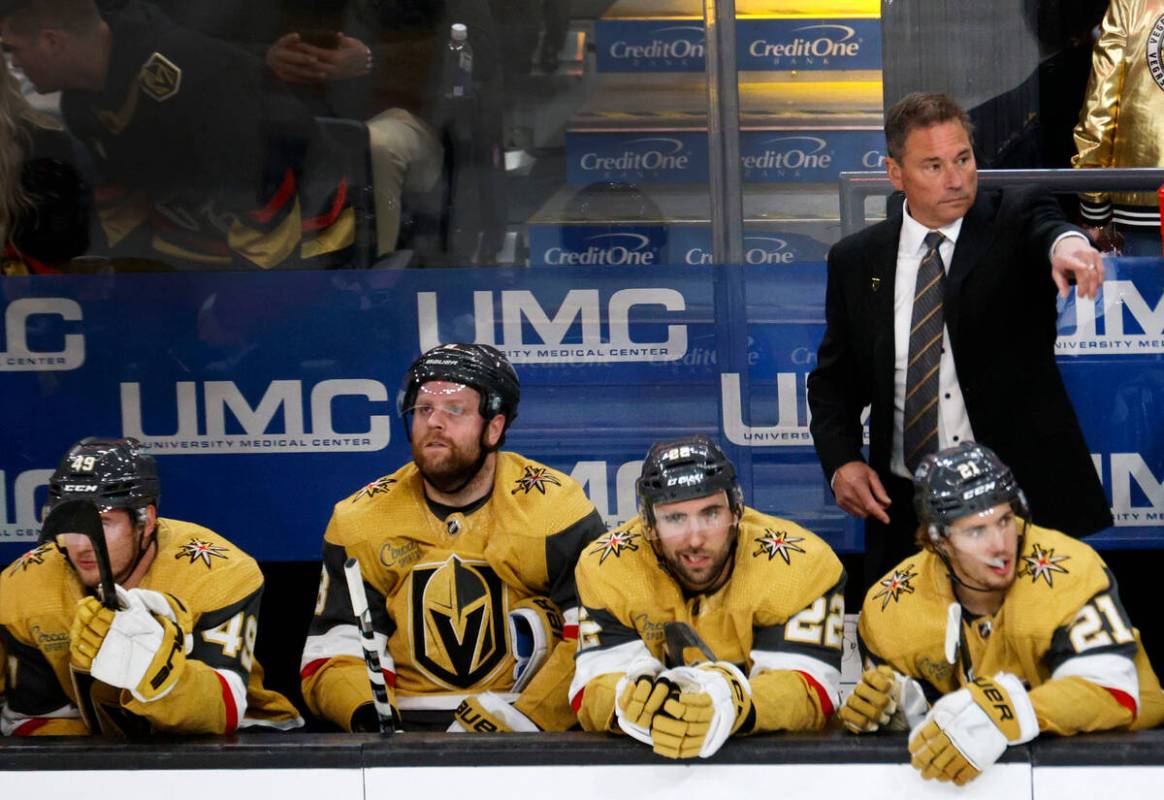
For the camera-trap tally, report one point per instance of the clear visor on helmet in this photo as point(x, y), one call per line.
point(686, 517)
point(449, 399)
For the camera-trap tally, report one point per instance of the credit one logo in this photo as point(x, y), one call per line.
point(815, 41)
point(19, 510)
point(757, 250)
point(20, 319)
point(1128, 470)
point(673, 43)
point(530, 335)
point(594, 477)
point(1115, 337)
point(792, 413)
point(202, 410)
point(606, 249)
point(648, 154)
point(790, 153)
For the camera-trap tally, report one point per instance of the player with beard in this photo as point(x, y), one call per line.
point(1010, 629)
point(467, 554)
point(765, 595)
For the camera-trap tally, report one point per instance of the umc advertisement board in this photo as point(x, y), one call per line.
point(267, 398)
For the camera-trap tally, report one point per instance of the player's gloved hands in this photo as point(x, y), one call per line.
point(489, 713)
point(535, 628)
point(714, 701)
point(966, 731)
point(142, 648)
point(883, 697)
point(641, 699)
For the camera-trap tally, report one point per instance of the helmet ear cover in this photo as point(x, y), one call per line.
point(686, 469)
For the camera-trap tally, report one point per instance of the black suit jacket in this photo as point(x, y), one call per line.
point(1000, 313)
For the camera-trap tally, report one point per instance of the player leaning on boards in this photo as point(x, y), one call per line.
point(1010, 629)
point(174, 655)
point(467, 554)
point(765, 595)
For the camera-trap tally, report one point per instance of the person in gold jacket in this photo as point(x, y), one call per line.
point(763, 597)
point(467, 555)
point(1119, 124)
point(1009, 629)
point(171, 652)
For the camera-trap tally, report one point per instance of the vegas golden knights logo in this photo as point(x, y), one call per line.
point(457, 613)
point(160, 78)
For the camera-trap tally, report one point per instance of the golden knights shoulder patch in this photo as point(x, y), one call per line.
point(378, 486)
point(31, 558)
point(457, 614)
point(896, 585)
point(201, 550)
point(613, 543)
point(534, 478)
point(160, 78)
point(777, 543)
point(1042, 564)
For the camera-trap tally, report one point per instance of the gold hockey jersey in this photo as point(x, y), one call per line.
point(441, 590)
point(780, 617)
point(1061, 630)
point(1119, 124)
point(219, 690)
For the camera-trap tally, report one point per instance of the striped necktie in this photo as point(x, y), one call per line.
point(925, 354)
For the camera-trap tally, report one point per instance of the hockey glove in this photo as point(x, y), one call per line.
point(639, 681)
point(142, 648)
point(966, 731)
point(883, 697)
point(488, 713)
point(535, 628)
point(714, 701)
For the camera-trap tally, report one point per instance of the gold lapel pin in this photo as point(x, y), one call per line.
point(875, 283)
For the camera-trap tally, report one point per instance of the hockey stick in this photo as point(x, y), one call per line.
point(81, 516)
point(368, 640)
point(681, 637)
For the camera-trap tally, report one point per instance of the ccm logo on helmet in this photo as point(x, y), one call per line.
point(685, 480)
point(79, 488)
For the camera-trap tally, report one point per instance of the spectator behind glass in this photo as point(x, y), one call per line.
point(44, 203)
point(376, 61)
point(199, 166)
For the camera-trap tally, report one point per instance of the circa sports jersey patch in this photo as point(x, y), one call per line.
point(1042, 564)
point(778, 543)
point(160, 78)
point(32, 557)
point(1156, 52)
point(535, 478)
point(201, 550)
point(613, 543)
point(378, 486)
point(896, 585)
point(457, 613)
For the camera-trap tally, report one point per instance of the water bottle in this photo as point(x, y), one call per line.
point(458, 63)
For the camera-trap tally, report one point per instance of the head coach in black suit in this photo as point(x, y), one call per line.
point(942, 319)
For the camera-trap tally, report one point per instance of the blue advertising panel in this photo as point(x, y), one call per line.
point(269, 397)
point(677, 157)
point(679, 45)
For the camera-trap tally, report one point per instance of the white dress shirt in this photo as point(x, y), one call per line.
point(953, 422)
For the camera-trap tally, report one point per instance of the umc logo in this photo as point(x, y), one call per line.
point(792, 413)
point(31, 315)
point(594, 478)
point(201, 427)
point(1119, 296)
point(649, 154)
point(814, 41)
point(24, 524)
point(673, 43)
point(1131, 480)
point(606, 249)
point(530, 335)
